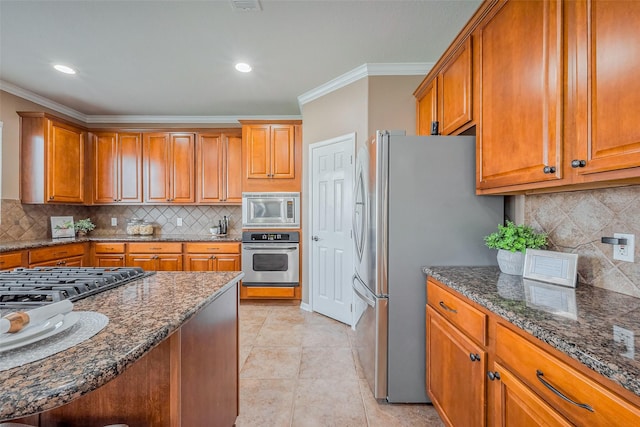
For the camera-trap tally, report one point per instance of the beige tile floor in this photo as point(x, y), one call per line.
point(298, 369)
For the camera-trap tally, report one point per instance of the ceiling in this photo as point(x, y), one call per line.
point(176, 58)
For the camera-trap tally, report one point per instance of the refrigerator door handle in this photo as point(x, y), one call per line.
point(360, 289)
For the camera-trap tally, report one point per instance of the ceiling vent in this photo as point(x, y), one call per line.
point(246, 5)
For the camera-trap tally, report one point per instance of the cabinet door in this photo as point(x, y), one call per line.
point(455, 90)
point(258, 151)
point(109, 261)
point(170, 262)
point(427, 108)
point(182, 168)
point(519, 133)
point(147, 262)
point(517, 405)
point(233, 179)
point(169, 168)
point(129, 167)
point(609, 88)
point(209, 168)
point(156, 167)
point(282, 151)
point(227, 262)
point(200, 262)
point(65, 163)
point(105, 167)
point(456, 373)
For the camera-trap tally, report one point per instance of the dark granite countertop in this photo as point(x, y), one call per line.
point(6, 246)
point(141, 315)
point(584, 330)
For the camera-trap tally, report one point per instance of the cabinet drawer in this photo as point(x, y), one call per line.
point(55, 252)
point(271, 292)
point(155, 248)
point(466, 317)
point(535, 365)
point(212, 248)
point(109, 248)
point(11, 260)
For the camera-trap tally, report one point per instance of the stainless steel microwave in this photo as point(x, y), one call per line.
point(270, 210)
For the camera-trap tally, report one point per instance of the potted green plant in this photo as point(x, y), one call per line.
point(512, 241)
point(83, 226)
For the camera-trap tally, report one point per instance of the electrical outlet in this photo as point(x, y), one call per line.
point(179, 222)
point(626, 338)
point(114, 222)
point(624, 252)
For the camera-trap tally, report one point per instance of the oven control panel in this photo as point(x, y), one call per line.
point(253, 236)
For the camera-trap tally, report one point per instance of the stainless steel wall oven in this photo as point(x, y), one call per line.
point(271, 258)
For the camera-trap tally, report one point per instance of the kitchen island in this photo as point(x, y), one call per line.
point(169, 356)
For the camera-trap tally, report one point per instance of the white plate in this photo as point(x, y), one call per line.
point(30, 331)
point(63, 323)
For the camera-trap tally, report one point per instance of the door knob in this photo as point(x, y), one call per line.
point(315, 238)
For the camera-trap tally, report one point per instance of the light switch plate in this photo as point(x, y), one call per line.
point(179, 222)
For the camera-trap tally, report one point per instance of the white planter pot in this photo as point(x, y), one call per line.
point(511, 262)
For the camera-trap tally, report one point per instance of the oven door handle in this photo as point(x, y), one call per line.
point(270, 248)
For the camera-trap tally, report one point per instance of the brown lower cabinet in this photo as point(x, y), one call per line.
point(71, 255)
point(190, 379)
point(482, 371)
point(214, 256)
point(155, 256)
point(11, 260)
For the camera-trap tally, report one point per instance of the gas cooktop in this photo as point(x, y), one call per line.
point(32, 287)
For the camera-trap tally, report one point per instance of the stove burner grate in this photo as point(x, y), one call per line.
point(25, 288)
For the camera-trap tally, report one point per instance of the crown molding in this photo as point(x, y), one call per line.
point(365, 70)
point(41, 100)
point(129, 119)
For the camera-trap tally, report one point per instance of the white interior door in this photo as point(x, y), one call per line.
point(331, 211)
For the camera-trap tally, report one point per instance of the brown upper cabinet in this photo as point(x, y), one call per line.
point(169, 167)
point(52, 155)
point(446, 94)
point(117, 167)
point(519, 136)
point(219, 167)
point(272, 155)
point(571, 124)
point(603, 89)
point(553, 94)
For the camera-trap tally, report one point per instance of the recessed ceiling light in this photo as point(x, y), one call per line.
point(242, 67)
point(64, 69)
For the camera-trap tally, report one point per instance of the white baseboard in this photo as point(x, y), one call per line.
point(305, 306)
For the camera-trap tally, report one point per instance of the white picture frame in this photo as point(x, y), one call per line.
point(62, 227)
point(559, 268)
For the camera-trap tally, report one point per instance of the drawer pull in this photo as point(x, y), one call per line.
point(540, 374)
point(60, 253)
point(154, 249)
point(493, 375)
point(474, 357)
point(443, 305)
point(213, 249)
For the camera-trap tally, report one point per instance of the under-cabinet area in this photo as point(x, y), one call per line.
point(495, 356)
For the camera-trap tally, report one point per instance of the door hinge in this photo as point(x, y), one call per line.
point(351, 308)
point(351, 159)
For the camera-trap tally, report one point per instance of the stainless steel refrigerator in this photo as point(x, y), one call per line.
point(414, 205)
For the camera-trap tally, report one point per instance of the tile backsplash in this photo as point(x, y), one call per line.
point(27, 222)
point(576, 221)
